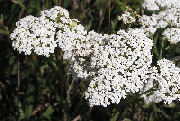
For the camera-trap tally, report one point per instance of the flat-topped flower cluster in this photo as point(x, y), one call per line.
point(38, 34)
point(168, 81)
point(123, 63)
point(115, 65)
point(165, 14)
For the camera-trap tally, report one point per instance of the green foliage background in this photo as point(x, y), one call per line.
point(36, 88)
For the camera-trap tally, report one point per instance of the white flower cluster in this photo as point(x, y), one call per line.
point(70, 40)
point(168, 15)
point(168, 83)
point(84, 50)
point(150, 5)
point(56, 14)
point(127, 18)
point(37, 34)
point(162, 19)
point(172, 34)
point(123, 65)
point(34, 34)
point(116, 64)
point(160, 4)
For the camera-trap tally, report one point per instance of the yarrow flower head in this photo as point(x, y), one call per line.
point(37, 34)
point(34, 35)
point(172, 34)
point(168, 82)
point(167, 15)
point(160, 4)
point(129, 16)
point(71, 39)
point(123, 64)
point(56, 13)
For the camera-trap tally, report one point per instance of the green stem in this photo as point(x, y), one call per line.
point(155, 50)
point(161, 51)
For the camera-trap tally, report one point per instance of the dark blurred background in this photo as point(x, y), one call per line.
point(36, 88)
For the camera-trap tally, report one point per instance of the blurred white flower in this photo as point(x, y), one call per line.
point(127, 18)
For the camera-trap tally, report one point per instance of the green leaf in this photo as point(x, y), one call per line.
point(4, 32)
point(30, 89)
point(89, 25)
point(14, 70)
point(58, 98)
point(55, 2)
point(172, 105)
point(121, 5)
point(151, 117)
point(21, 112)
point(66, 3)
point(11, 60)
point(177, 50)
point(146, 106)
point(114, 25)
point(34, 7)
point(8, 81)
point(47, 4)
point(2, 18)
point(21, 4)
point(29, 110)
point(155, 50)
point(48, 112)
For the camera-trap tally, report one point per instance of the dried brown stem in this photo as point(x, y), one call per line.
point(78, 118)
point(135, 1)
point(18, 63)
point(102, 18)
